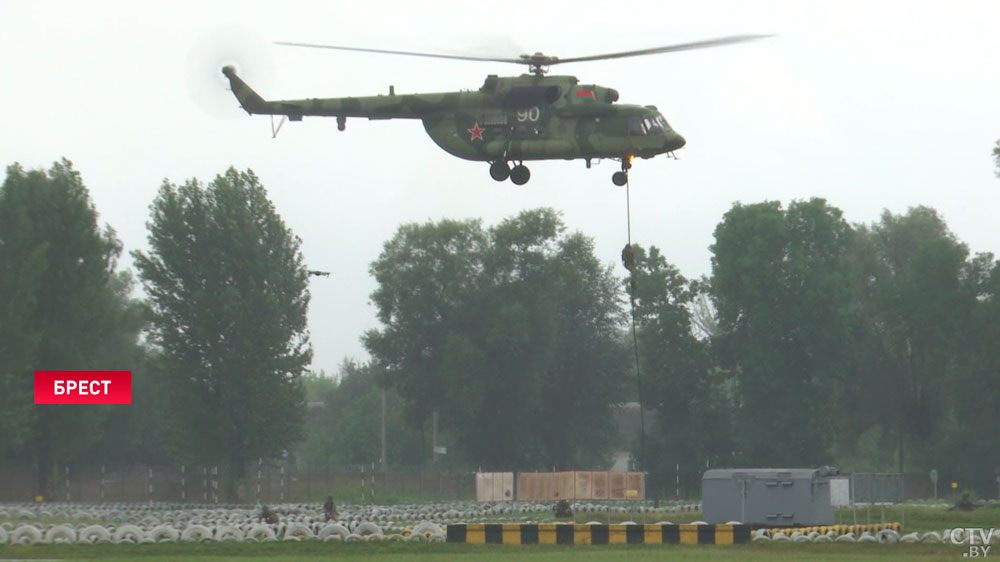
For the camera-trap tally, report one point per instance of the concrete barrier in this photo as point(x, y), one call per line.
point(571, 533)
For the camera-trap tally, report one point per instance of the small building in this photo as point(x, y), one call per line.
point(773, 497)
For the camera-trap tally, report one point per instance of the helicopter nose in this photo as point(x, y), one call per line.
point(673, 141)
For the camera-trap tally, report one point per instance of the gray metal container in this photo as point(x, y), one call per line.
point(777, 497)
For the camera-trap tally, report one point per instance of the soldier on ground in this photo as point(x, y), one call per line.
point(562, 509)
point(330, 509)
point(268, 516)
point(964, 504)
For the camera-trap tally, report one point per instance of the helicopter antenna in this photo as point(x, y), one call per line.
point(539, 63)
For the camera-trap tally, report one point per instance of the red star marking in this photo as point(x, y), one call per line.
point(476, 131)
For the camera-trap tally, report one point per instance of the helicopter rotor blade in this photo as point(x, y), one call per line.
point(391, 52)
point(719, 41)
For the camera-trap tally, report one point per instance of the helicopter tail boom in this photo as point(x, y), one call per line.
point(252, 102)
point(414, 106)
point(249, 99)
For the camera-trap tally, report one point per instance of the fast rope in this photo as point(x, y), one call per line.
point(628, 260)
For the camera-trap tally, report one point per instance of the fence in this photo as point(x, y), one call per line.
point(555, 486)
point(275, 484)
point(494, 486)
point(205, 484)
point(589, 485)
point(869, 487)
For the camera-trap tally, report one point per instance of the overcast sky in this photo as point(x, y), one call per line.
point(871, 105)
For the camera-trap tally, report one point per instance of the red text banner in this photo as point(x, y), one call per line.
point(83, 387)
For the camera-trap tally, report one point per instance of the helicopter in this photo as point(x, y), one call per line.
point(511, 119)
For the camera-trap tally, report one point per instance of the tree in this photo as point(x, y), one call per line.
point(346, 428)
point(510, 333)
point(136, 434)
point(780, 283)
point(914, 311)
point(704, 317)
point(228, 292)
point(586, 372)
point(427, 276)
point(317, 385)
point(62, 307)
point(975, 388)
point(679, 380)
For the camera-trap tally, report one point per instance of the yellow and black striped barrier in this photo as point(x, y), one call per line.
point(575, 533)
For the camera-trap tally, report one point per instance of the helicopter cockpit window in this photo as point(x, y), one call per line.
point(654, 125)
point(636, 126)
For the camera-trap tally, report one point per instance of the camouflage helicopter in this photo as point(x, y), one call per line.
point(515, 119)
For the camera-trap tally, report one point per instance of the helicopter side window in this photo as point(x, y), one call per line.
point(635, 126)
point(662, 122)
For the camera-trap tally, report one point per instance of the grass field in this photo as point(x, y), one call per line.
point(426, 552)
point(921, 519)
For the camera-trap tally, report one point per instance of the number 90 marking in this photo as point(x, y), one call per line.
point(528, 114)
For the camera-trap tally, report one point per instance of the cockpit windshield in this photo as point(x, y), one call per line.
point(649, 125)
point(656, 125)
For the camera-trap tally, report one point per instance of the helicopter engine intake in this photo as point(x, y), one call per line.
point(531, 96)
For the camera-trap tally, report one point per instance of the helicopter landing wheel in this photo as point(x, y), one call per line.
point(619, 178)
point(499, 170)
point(519, 175)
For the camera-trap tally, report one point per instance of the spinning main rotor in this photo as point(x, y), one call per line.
point(538, 63)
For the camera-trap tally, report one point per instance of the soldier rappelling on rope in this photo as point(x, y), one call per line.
point(628, 260)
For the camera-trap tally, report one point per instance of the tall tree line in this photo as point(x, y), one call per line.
point(812, 341)
point(838, 335)
point(217, 378)
point(63, 306)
